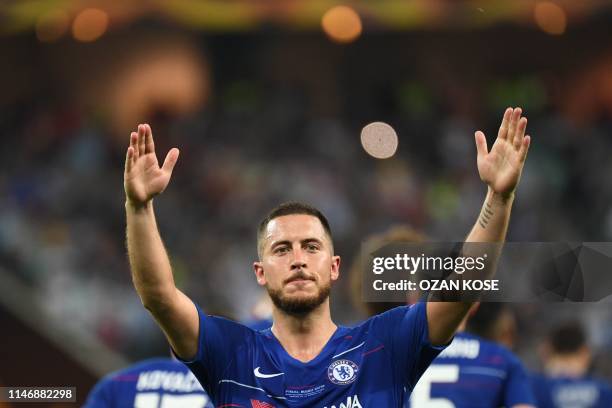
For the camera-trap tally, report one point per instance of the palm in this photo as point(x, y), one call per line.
point(501, 167)
point(143, 177)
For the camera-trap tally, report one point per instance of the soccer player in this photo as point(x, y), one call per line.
point(566, 382)
point(305, 359)
point(153, 383)
point(474, 372)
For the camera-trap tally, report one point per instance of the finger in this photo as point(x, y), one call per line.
point(516, 115)
point(520, 133)
point(141, 140)
point(129, 159)
point(149, 145)
point(170, 160)
point(524, 148)
point(503, 128)
point(134, 144)
point(481, 144)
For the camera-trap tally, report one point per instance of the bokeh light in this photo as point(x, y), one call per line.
point(342, 24)
point(51, 26)
point(174, 81)
point(379, 140)
point(550, 17)
point(90, 25)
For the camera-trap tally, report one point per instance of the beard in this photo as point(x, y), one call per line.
point(299, 306)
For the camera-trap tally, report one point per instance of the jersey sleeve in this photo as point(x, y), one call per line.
point(406, 332)
point(101, 395)
point(218, 342)
point(518, 389)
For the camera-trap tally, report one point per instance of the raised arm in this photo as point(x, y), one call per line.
point(501, 170)
point(151, 271)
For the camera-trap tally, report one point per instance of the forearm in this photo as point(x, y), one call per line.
point(492, 223)
point(487, 236)
point(151, 270)
point(491, 227)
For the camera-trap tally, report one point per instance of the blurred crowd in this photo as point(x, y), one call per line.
point(257, 144)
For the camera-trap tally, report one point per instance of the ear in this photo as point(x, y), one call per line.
point(335, 268)
point(259, 273)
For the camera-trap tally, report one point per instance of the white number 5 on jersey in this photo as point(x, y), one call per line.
point(421, 395)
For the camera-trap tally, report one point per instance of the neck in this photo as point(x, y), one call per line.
point(303, 337)
point(462, 325)
point(566, 366)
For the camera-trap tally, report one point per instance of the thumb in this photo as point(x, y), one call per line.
point(481, 144)
point(170, 160)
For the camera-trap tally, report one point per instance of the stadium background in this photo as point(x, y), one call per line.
point(266, 107)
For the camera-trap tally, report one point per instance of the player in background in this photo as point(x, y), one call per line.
point(566, 382)
point(305, 359)
point(495, 322)
point(158, 382)
point(395, 234)
point(473, 371)
point(153, 383)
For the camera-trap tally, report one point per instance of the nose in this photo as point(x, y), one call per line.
point(298, 259)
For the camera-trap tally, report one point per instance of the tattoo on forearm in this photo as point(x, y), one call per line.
point(485, 215)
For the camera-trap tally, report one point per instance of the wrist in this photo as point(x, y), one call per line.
point(133, 206)
point(500, 198)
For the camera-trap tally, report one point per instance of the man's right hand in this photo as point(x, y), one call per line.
point(144, 178)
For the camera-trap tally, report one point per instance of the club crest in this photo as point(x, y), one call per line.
point(342, 372)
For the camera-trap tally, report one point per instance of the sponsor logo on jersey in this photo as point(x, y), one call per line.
point(351, 402)
point(342, 372)
point(259, 374)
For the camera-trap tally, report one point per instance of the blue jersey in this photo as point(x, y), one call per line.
point(566, 392)
point(154, 383)
point(369, 365)
point(473, 372)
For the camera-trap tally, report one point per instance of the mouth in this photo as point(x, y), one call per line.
point(299, 280)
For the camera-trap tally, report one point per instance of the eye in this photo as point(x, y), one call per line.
point(312, 247)
point(281, 250)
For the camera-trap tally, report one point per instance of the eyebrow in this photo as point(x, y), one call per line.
point(287, 242)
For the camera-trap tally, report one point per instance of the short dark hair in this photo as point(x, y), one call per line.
point(482, 322)
point(291, 208)
point(567, 338)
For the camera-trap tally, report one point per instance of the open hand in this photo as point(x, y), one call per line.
point(501, 167)
point(143, 178)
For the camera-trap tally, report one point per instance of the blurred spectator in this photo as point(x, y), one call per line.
point(566, 381)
